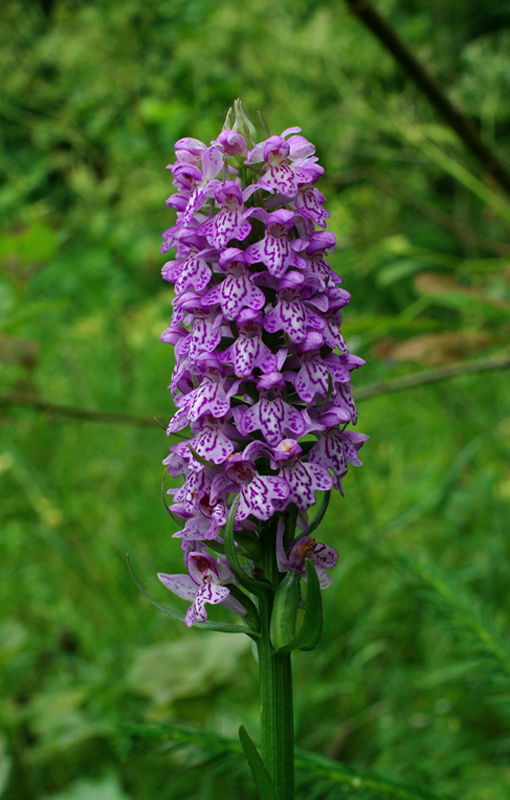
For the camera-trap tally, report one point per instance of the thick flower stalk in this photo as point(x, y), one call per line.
point(262, 376)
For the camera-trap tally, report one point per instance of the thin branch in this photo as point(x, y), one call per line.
point(431, 376)
point(362, 393)
point(451, 113)
point(80, 414)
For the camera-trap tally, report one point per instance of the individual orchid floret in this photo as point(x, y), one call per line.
point(214, 439)
point(205, 333)
point(312, 378)
point(280, 175)
point(189, 150)
point(293, 316)
point(230, 222)
point(249, 352)
point(198, 527)
point(202, 586)
point(231, 143)
point(237, 290)
point(210, 397)
point(194, 271)
point(308, 202)
point(212, 444)
point(258, 494)
point(272, 416)
point(197, 185)
point(335, 449)
point(303, 479)
point(321, 555)
point(276, 251)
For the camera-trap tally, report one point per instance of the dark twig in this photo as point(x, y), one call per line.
point(452, 114)
point(80, 414)
point(362, 393)
point(431, 376)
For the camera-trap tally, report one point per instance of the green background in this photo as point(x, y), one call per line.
point(412, 676)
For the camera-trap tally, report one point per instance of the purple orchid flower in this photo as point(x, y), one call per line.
point(249, 352)
point(321, 555)
point(292, 315)
point(272, 416)
point(308, 202)
point(335, 449)
point(189, 150)
point(194, 272)
point(304, 480)
point(231, 143)
point(198, 527)
point(230, 222)
point(280, 176)
point(258, 494)
point(202, 586)
point(277, 252)
point(237, 291)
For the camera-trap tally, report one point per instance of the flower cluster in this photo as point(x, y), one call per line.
point(261, 383)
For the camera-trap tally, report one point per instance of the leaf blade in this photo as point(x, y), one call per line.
point(261, 776)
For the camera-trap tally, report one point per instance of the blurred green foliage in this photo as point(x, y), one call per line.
point(412, 676)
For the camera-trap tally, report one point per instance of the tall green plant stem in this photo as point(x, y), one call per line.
point(277, 722)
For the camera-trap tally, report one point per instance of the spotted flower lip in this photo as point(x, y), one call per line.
point(249, 352)
point(276, 251)
point(272, 416)
point(262, 377)
point(237, 292)
point(231, 221)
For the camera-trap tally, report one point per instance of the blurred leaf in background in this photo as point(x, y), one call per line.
point(93, 97)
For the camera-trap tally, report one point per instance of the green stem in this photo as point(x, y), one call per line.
point(277, 721)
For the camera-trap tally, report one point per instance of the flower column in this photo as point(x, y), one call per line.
point(262, 390)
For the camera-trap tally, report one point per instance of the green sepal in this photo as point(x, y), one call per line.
point(282, 628)
point(210, 625)
point(307, 638)
point(262, 778)
point(320, 513)
point(254, 586)
point(243, 125)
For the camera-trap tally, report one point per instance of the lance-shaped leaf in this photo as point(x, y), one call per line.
point(262, 778)
point(307, 638)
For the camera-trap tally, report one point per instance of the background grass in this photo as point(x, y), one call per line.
point(412, 676)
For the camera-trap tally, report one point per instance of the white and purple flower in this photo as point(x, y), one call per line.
point(202, 585)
